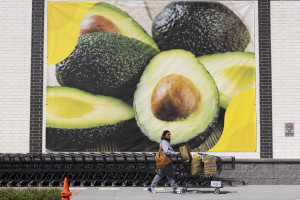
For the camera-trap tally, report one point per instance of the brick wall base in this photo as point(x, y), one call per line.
point(264, 171)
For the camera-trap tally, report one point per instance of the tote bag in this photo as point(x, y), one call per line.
point(161, 159)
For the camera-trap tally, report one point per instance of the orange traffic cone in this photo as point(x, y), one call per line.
point(66, 192)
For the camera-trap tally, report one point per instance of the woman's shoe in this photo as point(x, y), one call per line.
point(151, 190)
point(177, 191)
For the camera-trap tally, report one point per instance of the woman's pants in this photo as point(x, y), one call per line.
point(168, 171)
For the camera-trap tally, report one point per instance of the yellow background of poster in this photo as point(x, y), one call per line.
point(63, 28)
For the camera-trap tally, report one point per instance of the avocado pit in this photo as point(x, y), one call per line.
point(174, 97)
point(97, 23)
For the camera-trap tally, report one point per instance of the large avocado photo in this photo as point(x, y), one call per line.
point(135, 69)
point(176, 93)
point(200, 27)
point(105, 63)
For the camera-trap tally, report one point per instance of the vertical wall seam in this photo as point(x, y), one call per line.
point(265, 79)
point(36, 83)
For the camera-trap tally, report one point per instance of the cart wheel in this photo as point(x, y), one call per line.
point(179, 184)
point(217, 191)
point(72, 184)
point(40, 184)
point(82, 184)
point(61, 184)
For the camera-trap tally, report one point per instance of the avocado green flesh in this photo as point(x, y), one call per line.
point(125, 24)
point(185, 64)
point(200, 27)
point(70, 108)
point(105, 63)
point(233, 73)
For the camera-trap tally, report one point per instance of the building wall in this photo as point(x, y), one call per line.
point(15, 67)
point(15, 71)
point(285, 37)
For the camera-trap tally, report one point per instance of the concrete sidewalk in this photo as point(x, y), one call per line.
point(246, 192)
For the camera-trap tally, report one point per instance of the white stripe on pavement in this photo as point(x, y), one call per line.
point(108, 188)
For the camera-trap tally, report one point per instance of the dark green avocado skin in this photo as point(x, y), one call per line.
point(105, 63)
point(122, 136)
point(200, 27)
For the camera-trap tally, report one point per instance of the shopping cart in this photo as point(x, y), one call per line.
point(106, 168)
point(206, 178)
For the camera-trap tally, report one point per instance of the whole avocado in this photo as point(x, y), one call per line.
point(105, 63)
point(200, 27)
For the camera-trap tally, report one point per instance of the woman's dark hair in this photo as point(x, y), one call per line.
point(163, 136)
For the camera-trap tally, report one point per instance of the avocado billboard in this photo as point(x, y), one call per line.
point(120, 73)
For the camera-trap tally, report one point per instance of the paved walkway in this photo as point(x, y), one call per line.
point(247, 192)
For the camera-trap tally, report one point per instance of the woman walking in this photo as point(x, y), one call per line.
point(168, 170)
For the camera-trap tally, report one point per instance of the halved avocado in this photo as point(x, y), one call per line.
point(176, 93)
point(233, 73)
point(103, 17)
point(77, 120)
